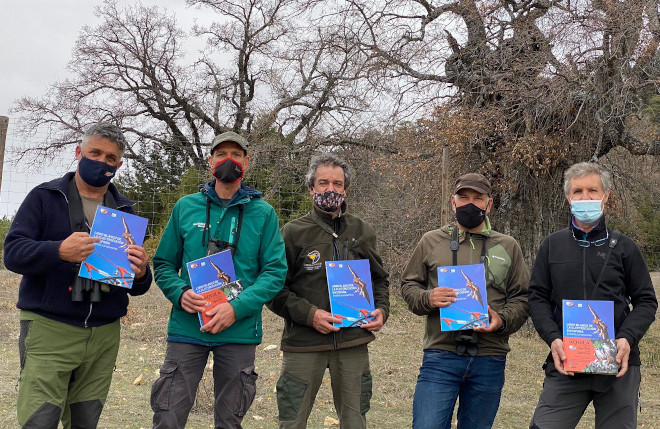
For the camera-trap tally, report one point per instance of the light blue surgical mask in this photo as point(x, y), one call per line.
point(587, 211)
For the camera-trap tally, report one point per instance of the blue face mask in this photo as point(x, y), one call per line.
point(587, 211)
point(95, 173)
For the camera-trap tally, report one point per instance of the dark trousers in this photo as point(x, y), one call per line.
point(234, 383)
point(564, 399)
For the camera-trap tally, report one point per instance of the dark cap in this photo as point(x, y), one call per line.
point(229, 136)
point(473, 181)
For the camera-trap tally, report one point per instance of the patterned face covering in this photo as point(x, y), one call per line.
point(329, 201)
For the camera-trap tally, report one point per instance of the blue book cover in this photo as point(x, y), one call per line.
point(351, 291)
point(471, 307)
point(214, 277)
point(588, 336)
point(109, 262)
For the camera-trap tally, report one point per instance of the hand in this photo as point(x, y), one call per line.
point(494, 324)
point(622, 355)
point(323, 322)
point(138, 258)
point(376, 324)
point(192, 303)
point(223, 316)
point(442, 297)
point(77, 247)
point(558, 355)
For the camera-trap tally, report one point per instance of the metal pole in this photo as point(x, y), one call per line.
point(445, 150)
point(4, 124)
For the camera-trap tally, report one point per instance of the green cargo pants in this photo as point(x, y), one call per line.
point(65, 372)
point(301, 377)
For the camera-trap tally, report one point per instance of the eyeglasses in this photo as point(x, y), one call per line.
point(597, 243)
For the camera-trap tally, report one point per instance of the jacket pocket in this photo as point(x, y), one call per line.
point(248, 390)
point(290, 394)
point(365, 392)
point(161, 390)
point(22, 350)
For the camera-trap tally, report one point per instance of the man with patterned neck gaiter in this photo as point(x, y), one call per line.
point(310, 341)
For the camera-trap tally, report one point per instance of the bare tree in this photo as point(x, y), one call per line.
point(272, 70)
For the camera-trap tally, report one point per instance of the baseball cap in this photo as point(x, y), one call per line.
point(229, 136)
point(474, 181)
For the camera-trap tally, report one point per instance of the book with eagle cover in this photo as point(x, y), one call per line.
point(588, 336)
point(109, 262)
point(471, 307)
point(351, 292)
point(214, 277)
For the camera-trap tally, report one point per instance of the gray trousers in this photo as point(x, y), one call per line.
point(301, 377)
point(564, 399)
point(234, 383)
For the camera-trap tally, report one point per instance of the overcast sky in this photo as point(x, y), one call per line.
point(36, 39)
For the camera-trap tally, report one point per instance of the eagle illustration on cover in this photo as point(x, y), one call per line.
point(469, 311)
point(350, 290)
point(588, 344)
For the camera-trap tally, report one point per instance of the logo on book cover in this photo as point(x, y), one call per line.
point(314, 256)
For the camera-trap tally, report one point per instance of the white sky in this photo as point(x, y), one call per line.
point(36, 39)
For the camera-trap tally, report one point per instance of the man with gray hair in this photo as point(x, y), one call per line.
point(589, 261)
point(68, 343)
point(310, 340)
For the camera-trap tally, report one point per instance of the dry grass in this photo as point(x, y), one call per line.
point(395, 359)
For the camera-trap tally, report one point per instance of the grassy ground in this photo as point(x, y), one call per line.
point(395, 359)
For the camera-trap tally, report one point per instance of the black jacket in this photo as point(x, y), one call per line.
point(565, 270)
point(32, 249)
point(305, 290)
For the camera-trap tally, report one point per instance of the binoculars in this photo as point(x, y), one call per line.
point(466, 342)
point(82, 286)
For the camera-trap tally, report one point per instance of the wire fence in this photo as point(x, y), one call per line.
point(396, 194)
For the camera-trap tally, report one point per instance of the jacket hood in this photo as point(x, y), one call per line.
point(243, 192)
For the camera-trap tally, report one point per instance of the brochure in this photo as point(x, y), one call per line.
point(214, 277)
point(588, 331)
point(109, 262)
point(471, 307)
point(351, 291)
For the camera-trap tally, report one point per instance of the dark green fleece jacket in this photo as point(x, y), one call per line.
point(305, 290)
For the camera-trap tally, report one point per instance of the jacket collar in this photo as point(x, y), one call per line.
point(327, 217)
point(62, 184)
point(599, 231)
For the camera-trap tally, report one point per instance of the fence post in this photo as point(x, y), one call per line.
point(4, 124)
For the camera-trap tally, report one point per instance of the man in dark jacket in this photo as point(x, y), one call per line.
point(68, 347)
point(589, 261)
point(310, 341)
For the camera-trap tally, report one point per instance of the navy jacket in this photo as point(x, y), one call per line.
point(564, 270)
point(32, 249)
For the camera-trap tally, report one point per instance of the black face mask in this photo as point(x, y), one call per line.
point(228, 171)
point(470, 216)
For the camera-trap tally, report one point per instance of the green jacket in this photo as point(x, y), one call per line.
point(259, 260)
point(507, 279)
point(305, 290)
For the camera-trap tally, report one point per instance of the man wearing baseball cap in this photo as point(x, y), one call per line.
point(225, 215)
point(467, 364)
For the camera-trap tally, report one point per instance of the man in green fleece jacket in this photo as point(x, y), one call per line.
point(469, 365)
point(310, 341)
point(225, 214)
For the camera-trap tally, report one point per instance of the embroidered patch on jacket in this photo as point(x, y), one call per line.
point(314, 257)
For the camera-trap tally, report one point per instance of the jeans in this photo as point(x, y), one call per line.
point(444, 376)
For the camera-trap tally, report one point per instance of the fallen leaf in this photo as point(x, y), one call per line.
point(138, 380)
